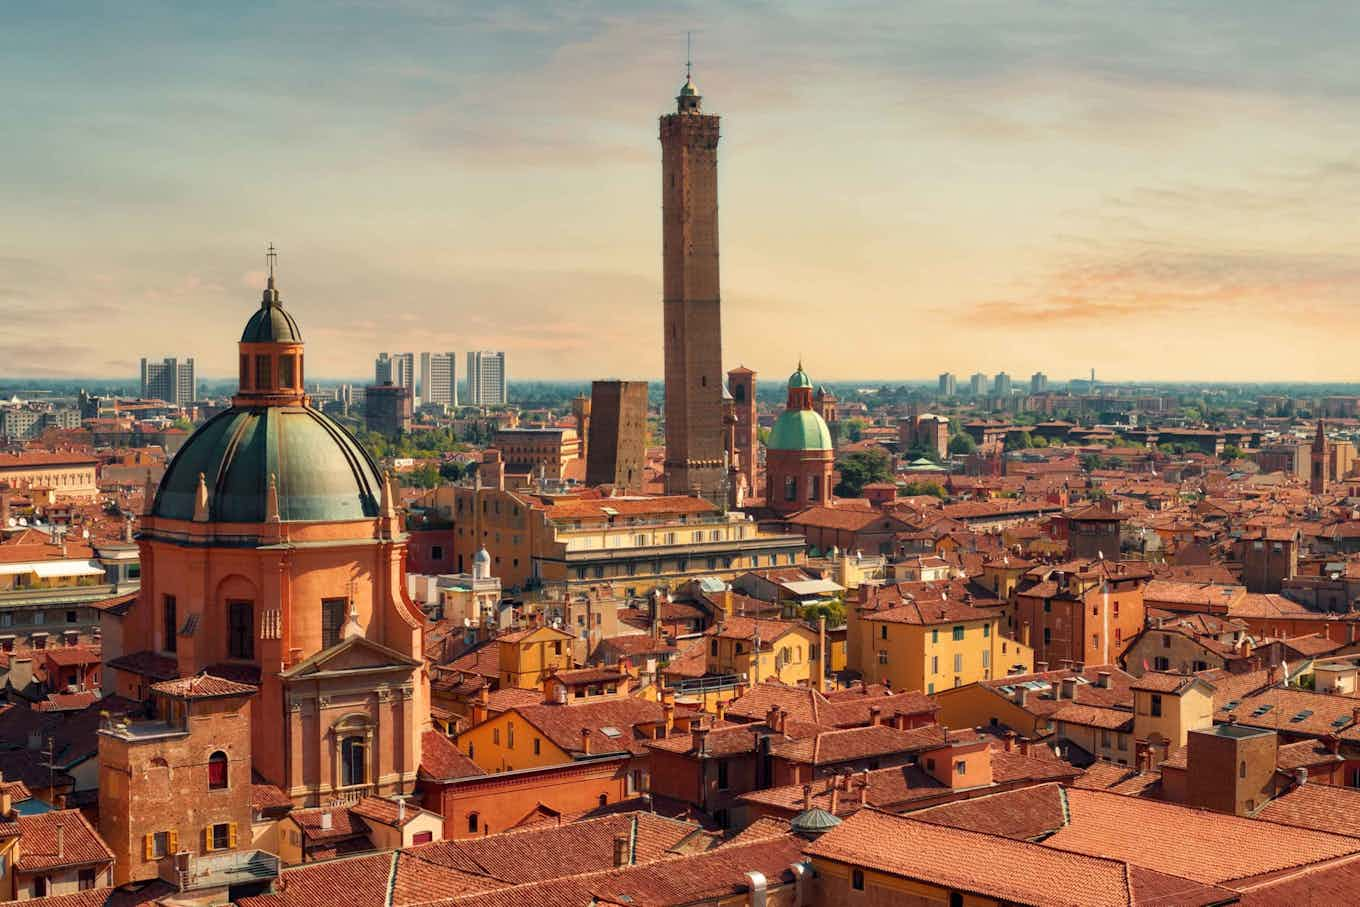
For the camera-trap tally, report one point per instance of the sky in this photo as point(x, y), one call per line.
point(1155, 190)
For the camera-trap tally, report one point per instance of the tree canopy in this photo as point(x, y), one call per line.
point(863, 467)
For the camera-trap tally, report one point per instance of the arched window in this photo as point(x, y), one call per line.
point(352, 761)
point(472, 823)
point(217, 771)
point(791, 488)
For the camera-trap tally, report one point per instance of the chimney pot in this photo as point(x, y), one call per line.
point(585, 740)
point(1300, 776)
point(875, 715)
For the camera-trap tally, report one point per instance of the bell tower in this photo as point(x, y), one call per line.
point(692, 308)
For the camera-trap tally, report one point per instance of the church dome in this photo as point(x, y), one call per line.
point(800, 429)
point(320, 470)
point(800, 379)
point(270, 323)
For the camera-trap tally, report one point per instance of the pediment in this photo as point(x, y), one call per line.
point(352, 655)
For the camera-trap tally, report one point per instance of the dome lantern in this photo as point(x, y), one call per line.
point(271, 352)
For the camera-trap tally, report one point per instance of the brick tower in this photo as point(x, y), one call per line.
point(693, 325)
point(1321, 455)
point(741, 384)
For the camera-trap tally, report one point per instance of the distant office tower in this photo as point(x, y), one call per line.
point(977, 385)
point(949, 385)
point(617, 448)
point(387, 409)
point(397, 368)
point(1038, 383)
point(486, 378)
point(171, 380)
point(1001, 385)
point(438, 379)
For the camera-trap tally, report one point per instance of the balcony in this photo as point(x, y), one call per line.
point(188, 872)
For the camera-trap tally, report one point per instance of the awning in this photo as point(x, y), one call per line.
point(67, 568)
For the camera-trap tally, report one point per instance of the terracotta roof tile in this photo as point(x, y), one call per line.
point(1023, 814)
point(441, 760)
point(1319, 807)
point(42, 848)
point(203, 686)
point(1100, 824)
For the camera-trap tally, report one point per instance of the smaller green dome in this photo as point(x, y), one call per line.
point(270, 323)
point(800, 379)
point(799, 429)
point(813, 823)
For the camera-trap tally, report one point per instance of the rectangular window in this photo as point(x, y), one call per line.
point(722, 775)
point(245, 372)
point(986, 631)
point(883, 632)
point(170, 620)
point(262, 376)
point(935, 634)
point(958, 662)
point(286, 370)
point(1048, 636)
point(332, 620)
point(221, 836)
point(882, 657)
point(160, 844)
point(958, 634)
point(857, 879)
point(240, 629)
point(934, 664)
point(70, 617)
point(1156, 706)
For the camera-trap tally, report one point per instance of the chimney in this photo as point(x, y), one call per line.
point(326, 820)
point(807, 797)
point(1024, 634)
point(772, 717)
point(756, 887)
point(1008, 741)
point(1041, 667)
point(1103, 679)
point(401, 810)
point(668, 710)
point(835, 796)
point(481, 708)
point(875, 716)
point(1021, 696)
point(699, 735)
point(61, 837)
point(1300, 776)
point(781, 718)
point(1069, 688)
point(1333, 743)
point(585, 740)
point(6, 800)
point(1355, 715)
point(864, 787)
point(621, 851)
point(720, 709)
point(1024, 746)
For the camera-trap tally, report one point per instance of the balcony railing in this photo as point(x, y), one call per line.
point(188, 872)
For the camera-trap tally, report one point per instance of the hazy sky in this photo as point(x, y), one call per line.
point(1155, 190)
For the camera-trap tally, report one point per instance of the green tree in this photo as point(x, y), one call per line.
point(930, 488)
point(962, 444)
point(863, 467)
point(833, 611)
point(854, 430)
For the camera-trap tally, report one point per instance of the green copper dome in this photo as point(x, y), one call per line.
point(321, 472)
point(270, 323)
point(800, 379)
point(799, 429)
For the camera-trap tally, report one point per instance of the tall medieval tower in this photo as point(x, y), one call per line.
point(692, 319)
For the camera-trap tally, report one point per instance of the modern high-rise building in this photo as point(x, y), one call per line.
point(949, 385)
point(1001, 385)
point(438, 379)
point(486, 378)
point(397, 368)
point(616, 450)
point(977, 385)
point(171, 380)
point(1038, 383)
point(692, 317)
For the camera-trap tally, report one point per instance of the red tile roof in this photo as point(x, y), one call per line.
point(1104, 824)
point(441, 760)
point(203, 686)
point(42, 848)
point(1023, 814)
point(987, 865)
point(1319, 807)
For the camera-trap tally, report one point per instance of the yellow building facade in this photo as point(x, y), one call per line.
point(527, 657)
point(937, 656)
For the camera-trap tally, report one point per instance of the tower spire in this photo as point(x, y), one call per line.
point(271, 254)
point(689, 55)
